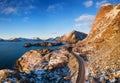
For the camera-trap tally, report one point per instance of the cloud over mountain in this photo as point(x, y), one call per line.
point(102, 3)
point(84, 20)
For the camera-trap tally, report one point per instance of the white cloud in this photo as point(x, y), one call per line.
point(78, 25)
point(54, 7)
point(84, 24)
point(85, 17)
point(25, 19)
point(102, 3)
point(16, 7)
point(9, 10)
point(88, 3)
point(84, 20)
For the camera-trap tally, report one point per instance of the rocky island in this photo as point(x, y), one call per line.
point(43, 44)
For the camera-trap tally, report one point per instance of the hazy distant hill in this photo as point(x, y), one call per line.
point(1, 39)
point(53, 39)
point(24, 39)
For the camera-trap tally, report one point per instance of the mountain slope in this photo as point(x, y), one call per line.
point(73, 36)
point(102, 45)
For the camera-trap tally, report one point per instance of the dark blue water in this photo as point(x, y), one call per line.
point(11, 51)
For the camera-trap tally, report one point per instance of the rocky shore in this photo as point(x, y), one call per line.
point(39, 65)
point(43, 44)
point(95, 59)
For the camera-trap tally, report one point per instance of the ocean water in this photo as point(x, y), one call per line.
point(11, 51)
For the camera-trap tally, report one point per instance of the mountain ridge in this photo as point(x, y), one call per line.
point(73, 36)
point(103, 42)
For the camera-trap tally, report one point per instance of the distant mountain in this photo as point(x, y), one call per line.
point(50, 39)
point(24, 39)
point(1, 39)
point(73, 36)
point(57, 38)
point(53, 39)
point(15, 39)
point(36, 39)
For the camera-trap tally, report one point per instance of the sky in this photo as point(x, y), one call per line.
point(47, 18)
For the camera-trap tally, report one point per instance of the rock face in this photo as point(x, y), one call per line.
point(31, 60)
point(73, 37)
point(57, 61)
point(102, 44)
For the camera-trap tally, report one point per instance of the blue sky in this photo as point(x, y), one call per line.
point(47, 18)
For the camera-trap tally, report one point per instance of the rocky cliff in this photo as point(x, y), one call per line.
point(101, 47)
point(102, 44)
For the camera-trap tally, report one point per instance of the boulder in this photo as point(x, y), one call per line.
point(4, 74)
point(27, 44)
point(31, 60)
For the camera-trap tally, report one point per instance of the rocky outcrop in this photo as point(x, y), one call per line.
point(101, 46)
point(43, 44)
point(73, 37)
point(44, 60)
point(31, 60)
point(27, 44)
point(5, 73)
point(103, 42)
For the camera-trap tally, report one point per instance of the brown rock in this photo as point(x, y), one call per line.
point(102, 45)
point(63, 57)
point(31, 60)
point(67, 77)
point(42, 59)
point(27, 45)
point(73, 37)
point(4, 73)
point(57, 59)
point(49, 44)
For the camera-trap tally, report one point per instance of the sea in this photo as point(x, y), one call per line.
point(12, 51)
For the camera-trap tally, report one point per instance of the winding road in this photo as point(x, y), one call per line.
point(81, 74)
